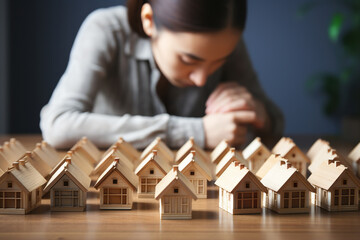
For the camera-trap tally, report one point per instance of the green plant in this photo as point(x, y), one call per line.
point(342, 88)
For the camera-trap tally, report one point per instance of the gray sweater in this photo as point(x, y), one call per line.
point(109, 91)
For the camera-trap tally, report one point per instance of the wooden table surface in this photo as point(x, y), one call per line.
point(143, 222)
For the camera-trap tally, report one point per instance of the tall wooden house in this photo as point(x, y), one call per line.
point(150, 172)
point(197, 172)
point(175, 193)
point(288, 189)
point(239, 190)
point(20, 189)
point(337, 188)
point(117, 186)
point(256, 154)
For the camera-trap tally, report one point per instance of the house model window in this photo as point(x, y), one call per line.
point(66, 183)
point(115, 181)
point(293, 155)
point(151, 171)
point(344, 181)
point(259, 153)
point(176, 190)
point(192, 173)
point(9, 184)
point(295, 184)
point(247, 185)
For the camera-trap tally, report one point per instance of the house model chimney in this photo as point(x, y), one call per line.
point(117, 160)
point(68, 160)
point(22, 162)
point(242, 166)
point(191, 140)
point(175, 168)
point(38, 145)
point(16, 165)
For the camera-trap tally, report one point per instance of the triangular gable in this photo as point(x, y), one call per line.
point(193, 159)
point(121, 169)
point(220, 151)
point(189, 146)
point(174, 176)
point(253, 148)
point(8, 176)
point(162, 164)
point(233, 176)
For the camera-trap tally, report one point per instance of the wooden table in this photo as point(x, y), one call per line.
point(143, 222)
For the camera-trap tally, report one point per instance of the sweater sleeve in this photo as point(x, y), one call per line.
point(240, 69)
point(68, 116)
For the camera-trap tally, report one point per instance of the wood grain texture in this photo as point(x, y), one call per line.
point(143, 222)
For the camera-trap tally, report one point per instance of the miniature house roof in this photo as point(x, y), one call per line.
point(46, 153)
point(280, 174)
point(73, 172)
point(253, 147)
point(231, 156)
point(87, 149)
point(189, 146)
point(110, 157)
point(12, 151)
point(328, 172)
point(220, 151)
point(234, 174)
point(1, 172)
point(161, 147)
point(126, 148)
point(38, 163)
point(316, 147)
point(285, 145)
point(119, 167)
point(268, 164)
point(76, 160)
point(162, 164)
point(354, 155)
point(4, 164)
point(193, 160)
point(325, 154)
point(26, 175)
point(174, 177)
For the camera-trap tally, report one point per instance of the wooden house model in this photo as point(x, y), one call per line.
point(117, 186)
point(288, 150)
point(110, 157)
point(189, 146)
point(197, 171)
point(87, 150)
point(354, 156)
point(150, 172)
point(239, 190)
point(256, 154)
point(288, 189)
point(126, 149)
point(316, 148)
point(20, 189)
point(10, 152)
point(68, 188)
point(231, 156)
point(161, 149)
point(337, 188)
point(77, 160)
point(175, 193)
point(219, 152)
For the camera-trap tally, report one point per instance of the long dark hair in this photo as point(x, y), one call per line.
point(190, 15)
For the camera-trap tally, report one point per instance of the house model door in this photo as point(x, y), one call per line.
point(176, 205)
point(116, 196)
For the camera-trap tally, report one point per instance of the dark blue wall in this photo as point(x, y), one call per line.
point(285, 50)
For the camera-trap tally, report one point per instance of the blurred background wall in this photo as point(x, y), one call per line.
point(285, 51)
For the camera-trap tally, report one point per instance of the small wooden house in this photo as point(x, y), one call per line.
point(288, 189)
point(126, 149)
point(197, 172)
point(288, 149)
point(220, 151)
point(108, 159)
point(150, 172)
point(20, 189)
point(187, 148)
point(354, 156)
point(239, 190)
point(87, 150)
point(231, 156)
point(10, 152)
point(117, 186)
point(337, 188)
point(161, 149)
point(175, 193)
point(68, 187)
point(316, 148)
point(256, 154)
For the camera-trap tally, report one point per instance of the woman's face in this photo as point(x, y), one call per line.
point(187, 59)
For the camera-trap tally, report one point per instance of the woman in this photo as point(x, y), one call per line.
point(164, 68)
